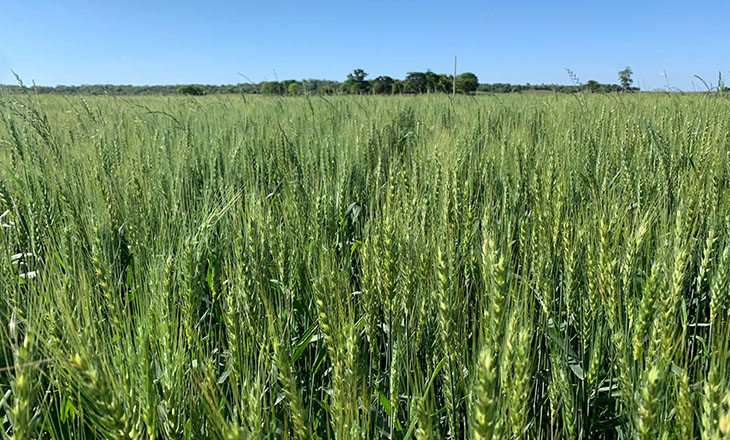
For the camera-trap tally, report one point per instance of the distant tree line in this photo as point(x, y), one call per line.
point(356, 82)
point(288, 87)
point(590, 86)
point(413, 83)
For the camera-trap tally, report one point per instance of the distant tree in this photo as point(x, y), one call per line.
point(294, 89)
point(329, 88)
point(356, 83)
point(284, 85)
point(358, 75)
point(190, 90)
point(445, 83)
point(594, 86)
point(415, 82)
point(320, 86)
point(467, 82)
point(502, 88)
point(271, 88)
point(432, 81)
point(382, 85)
point(398, 86)
point(249, 88)
point(624, 77)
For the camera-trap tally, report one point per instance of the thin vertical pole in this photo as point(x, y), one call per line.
point(453, 88)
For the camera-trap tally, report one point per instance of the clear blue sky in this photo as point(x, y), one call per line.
point(174, 42)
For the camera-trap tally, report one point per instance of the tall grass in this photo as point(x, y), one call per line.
point(365, 267)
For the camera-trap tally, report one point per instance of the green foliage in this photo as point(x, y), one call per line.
point(467, 82)
point(432, 81)
point(415, 82)
point(357, 75)
point(398, 87)
point(444, 83)
point(320, 87)
point(428, 82)
point(190, 90)
point(382, 85)
point(365, 267)
point(593, 86)
point(355, 83)
point(625, 79)
point(294, 89)
point(272, 88)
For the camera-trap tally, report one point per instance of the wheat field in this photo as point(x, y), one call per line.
point(415, 267)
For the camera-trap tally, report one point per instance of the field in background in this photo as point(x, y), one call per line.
point(365, 267)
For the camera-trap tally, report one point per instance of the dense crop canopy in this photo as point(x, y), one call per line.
point(539, 266)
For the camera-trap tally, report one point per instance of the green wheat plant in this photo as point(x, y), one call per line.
point(362, 267)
